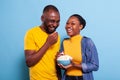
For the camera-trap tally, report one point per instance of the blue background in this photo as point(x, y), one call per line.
point(103, 26)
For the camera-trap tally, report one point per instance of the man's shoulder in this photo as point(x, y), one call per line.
point(33, 29)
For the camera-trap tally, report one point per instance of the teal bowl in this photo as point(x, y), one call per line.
point(64, 62)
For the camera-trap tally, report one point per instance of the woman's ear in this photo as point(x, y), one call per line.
point(81, 26)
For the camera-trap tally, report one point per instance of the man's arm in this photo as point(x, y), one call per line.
point(32, 57)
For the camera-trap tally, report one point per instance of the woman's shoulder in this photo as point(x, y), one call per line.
point(87, 40)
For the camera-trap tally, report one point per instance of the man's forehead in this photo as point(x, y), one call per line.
point(51, 10)
point(52, 13)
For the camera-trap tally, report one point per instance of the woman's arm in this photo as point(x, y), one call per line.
point(91, 63)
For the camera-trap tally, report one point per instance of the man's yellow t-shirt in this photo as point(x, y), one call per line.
point(45, 69)
point(72, 47)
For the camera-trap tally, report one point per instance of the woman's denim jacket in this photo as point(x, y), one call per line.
point(90, 60)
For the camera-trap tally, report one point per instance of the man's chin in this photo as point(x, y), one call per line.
point(50, 32)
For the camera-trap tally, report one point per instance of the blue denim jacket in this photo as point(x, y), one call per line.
point(90, 60)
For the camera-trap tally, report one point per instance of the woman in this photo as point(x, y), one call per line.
point(81, 49)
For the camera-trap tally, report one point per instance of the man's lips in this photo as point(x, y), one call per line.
point(51, 28)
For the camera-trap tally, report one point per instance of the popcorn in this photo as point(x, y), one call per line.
point(64, 60)
point(64, 57)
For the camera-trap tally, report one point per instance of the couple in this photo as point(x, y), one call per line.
point(41, 44)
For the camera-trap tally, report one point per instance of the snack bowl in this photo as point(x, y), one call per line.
point(64, 60)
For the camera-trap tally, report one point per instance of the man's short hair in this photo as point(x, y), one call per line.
point(50, 7)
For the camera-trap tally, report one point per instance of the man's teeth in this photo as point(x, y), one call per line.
point(52, 28)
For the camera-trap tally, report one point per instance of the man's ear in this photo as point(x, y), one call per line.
point(42, 18)
point(81, 26)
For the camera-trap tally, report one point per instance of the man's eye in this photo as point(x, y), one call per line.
point(52, 21)
point(58, 21)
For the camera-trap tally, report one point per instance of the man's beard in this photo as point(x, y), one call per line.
point(49, 29)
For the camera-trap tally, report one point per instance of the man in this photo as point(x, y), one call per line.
point(41, 45)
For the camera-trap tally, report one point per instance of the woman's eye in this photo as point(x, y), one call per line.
point(67, 23)
point(72, 23)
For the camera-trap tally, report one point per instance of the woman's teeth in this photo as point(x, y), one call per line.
point(69, 30)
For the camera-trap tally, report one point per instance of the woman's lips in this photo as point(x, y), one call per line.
point(69, 30)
